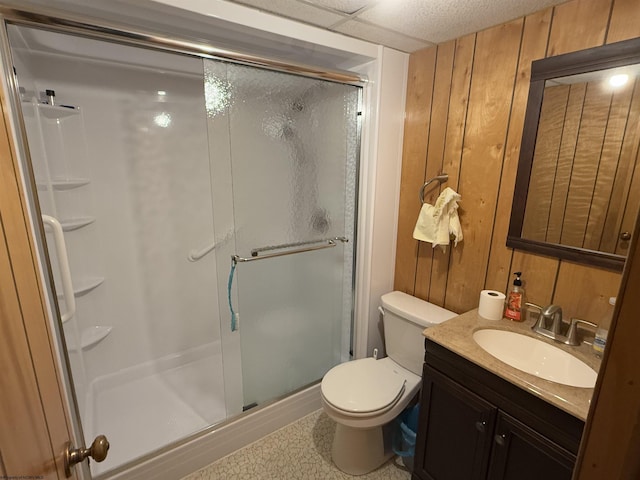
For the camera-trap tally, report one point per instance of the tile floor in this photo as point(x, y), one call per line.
point(299, 451)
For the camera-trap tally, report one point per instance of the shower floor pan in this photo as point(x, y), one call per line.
point(147, 407)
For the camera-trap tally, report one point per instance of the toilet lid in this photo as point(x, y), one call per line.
point(362, 386)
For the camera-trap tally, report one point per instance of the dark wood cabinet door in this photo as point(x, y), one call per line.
point(520, 453)
point(455, 431)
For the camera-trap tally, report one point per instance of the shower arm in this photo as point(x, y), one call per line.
point(255, 253)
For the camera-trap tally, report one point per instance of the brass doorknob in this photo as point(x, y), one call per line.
point(98, 451)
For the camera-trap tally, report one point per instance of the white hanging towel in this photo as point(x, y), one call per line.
point(438, 223)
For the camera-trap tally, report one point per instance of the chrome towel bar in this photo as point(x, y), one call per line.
point(443, 177)
point(255, 253)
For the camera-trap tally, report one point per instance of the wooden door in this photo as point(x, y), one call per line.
point(33, 413)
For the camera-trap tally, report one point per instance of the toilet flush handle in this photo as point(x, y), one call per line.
point(381, 310)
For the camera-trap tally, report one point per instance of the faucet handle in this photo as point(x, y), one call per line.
point(533, 305)
point(572, 334)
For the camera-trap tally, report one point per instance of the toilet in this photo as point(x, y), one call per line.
point(364, 396)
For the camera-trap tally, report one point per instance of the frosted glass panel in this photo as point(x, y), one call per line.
point(292, 149)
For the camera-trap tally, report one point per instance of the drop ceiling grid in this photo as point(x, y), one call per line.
point(407, 25)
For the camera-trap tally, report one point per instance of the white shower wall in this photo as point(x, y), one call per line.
point(150, 209)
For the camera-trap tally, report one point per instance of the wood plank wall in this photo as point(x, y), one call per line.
point(466, 101)
point(580, 163)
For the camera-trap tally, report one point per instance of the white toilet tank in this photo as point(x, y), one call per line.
point(405, 317)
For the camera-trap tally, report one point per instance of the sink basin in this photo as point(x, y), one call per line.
point(536, 357)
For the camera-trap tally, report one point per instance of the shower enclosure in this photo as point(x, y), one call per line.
point(199, 218)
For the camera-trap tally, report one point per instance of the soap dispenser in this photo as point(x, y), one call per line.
point(515, 300)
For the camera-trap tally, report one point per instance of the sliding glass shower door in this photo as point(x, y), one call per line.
point(291, 145)
point(198, 230)
point(118, 145)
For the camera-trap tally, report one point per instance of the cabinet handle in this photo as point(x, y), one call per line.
point(480, 426)
point(625, 236)
point(500, 439)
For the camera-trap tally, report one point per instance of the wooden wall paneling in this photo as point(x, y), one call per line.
point(533, 47)
point(577, 25)
point(540, 273)
point(611, 440)
point(435, 153)
point(472, 129)
point(624, 175)
point(456, 122)
point(539, 276)
point(566, 156)
point(416, 125)
point(36, 325)
point(631, 208)
point(584, 291)
point(545, 162)
point(585, 165)
point(624, 22)
point(492, 83)
point(612, 145)
point(458, 107)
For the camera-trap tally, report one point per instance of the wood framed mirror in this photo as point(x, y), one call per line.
point(577, 191)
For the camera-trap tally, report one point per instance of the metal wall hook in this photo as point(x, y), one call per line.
point(443, 177)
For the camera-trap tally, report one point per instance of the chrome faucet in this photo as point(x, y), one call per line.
point(550, 325)
point(553, 313)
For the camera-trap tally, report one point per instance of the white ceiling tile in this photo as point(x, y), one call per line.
point(407, 25)
point(375, 34)
point(441, 20)
point(345, 6)
point(296, 10)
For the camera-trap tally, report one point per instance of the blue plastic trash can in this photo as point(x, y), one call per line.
point(404, 438)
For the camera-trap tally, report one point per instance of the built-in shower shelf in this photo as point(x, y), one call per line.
point(69, 183)
point(75, 223)
point(55, 111)
point(89, 337)
point(65, 184)
point(84, 286)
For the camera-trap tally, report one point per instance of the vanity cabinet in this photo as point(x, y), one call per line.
point(475, 425)
point(521, 453)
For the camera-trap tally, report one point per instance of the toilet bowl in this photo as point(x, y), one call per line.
point(368, 393)
point(364, 396)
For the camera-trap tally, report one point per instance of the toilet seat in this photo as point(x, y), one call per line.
point(362, 387)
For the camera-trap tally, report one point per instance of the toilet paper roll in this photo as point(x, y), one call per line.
point(491, 304)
